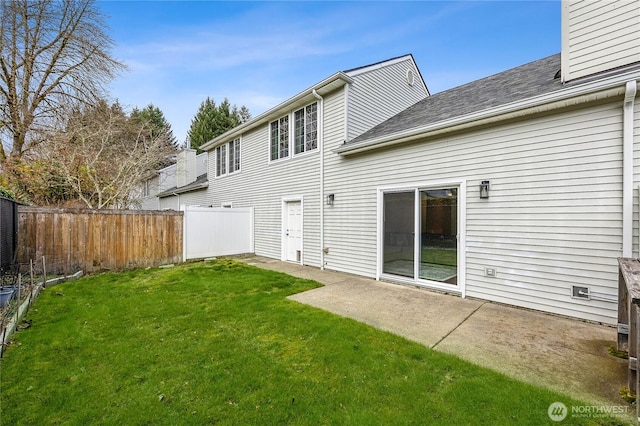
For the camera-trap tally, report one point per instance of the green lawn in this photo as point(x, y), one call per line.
point(439, 256)
point(218, 342)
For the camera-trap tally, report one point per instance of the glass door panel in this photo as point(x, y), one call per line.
point(399, 236)
point(439, 235)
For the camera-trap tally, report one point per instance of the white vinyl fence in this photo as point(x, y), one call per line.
point(212, 231)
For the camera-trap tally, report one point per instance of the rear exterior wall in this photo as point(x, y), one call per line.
point(553, 219)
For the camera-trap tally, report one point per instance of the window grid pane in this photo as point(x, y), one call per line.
point(231, 156)
point(236, 160)
point(311, 127)
point(218, 161)
point(299, 130)
point(274, 140)
point(223, 160)
point(284, 137)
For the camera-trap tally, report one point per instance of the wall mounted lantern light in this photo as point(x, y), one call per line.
point(484, 189)
point(330, 199)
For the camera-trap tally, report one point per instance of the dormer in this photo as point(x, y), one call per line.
point(599, 35)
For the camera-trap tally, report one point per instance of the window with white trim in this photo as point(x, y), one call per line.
point(234, 155)
point(228, 158)
point(280, 138)
point(305, 123)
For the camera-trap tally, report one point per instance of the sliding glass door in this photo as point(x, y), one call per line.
point(420, 234)
point(439, 235)
point(399, 233)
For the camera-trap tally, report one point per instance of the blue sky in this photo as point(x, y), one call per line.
point(259, 54)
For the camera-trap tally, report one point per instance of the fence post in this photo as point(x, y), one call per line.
point(623, 314)
point(629, 319)
point(183, 209)
point(632, 377)
point(44, 273)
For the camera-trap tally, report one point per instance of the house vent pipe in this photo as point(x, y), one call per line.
point(627, 168)
point(321, 149)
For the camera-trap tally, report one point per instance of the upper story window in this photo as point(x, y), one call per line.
point(234, 155)
point(228, 158)
point(304, 126)
point(280, 138)
point(146, 188)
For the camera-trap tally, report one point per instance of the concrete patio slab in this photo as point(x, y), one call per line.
point(563, 354)
point(421, 316)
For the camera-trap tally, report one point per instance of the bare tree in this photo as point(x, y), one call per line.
point(54, 53)
point(104, 156)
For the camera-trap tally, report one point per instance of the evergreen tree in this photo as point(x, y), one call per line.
point(212, 120)
point(155, 123)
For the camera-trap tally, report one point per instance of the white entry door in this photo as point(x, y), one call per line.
point(293, 231)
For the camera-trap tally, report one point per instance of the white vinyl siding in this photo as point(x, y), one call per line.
point(149, 200)
point(380, 93)
point(264, 184)
point(599, 35)
point(192, 198)
point(553, 218)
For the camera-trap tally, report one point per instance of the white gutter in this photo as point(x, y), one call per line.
point(321, 148)
point(328, 84)
point(588, 92)
point(627, 168)
point(184, 189)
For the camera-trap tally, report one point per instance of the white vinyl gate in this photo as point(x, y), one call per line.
point(213, 231)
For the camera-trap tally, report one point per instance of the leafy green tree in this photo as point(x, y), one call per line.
point(212, 120)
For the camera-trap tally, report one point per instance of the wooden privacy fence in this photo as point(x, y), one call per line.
point(94, 240)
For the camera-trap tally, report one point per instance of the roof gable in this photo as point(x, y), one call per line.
point(388, 62)
point(519, 83)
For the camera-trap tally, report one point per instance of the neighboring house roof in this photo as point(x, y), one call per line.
point(476, 100)
point(201, 182)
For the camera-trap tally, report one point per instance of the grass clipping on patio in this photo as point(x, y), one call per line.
point(218, 342)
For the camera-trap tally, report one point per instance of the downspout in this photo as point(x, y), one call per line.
point(627, 168)
point(177, 195)
point(321, 148)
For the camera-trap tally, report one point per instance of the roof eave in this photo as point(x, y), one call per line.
point(183, 190)
point(598, 90)
point(327, 85)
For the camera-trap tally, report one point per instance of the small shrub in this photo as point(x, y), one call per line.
point(628, 395)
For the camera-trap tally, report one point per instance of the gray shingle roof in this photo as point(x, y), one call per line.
point(197, 184)
point(532, 79)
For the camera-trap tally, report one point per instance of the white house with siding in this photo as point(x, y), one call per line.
point(179, 184)
point(520, 188)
